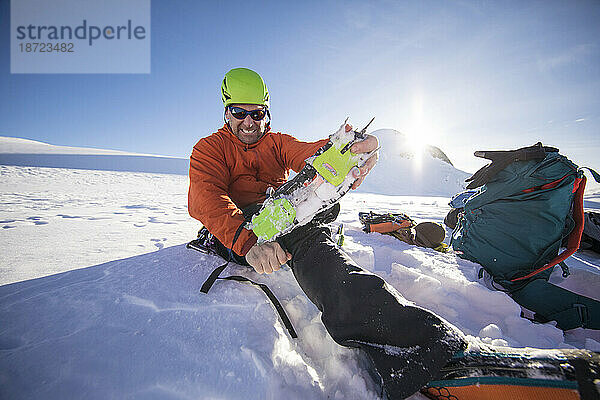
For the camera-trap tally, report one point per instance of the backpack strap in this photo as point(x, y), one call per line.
point(501, 159)
point(549, 302)
point(595, 175)
point(574, 237)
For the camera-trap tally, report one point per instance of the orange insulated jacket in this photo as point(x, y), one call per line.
point(227, 175)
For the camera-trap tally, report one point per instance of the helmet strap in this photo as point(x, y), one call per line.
point(268, 124)
point(225, 118)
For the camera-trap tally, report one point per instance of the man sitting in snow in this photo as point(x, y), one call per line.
point(230, 173)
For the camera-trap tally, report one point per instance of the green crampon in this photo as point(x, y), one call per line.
point(273, 219)
point(333, 165)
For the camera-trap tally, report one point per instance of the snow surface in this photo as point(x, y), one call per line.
point(100, 298)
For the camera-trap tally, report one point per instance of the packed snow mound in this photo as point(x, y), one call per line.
point(140, 328)
point(404, 169)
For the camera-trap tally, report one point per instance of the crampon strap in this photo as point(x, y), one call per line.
point(278, 307)
point(214, 275)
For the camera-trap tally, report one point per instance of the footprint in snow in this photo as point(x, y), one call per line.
point(37, 220)
point(157, 243)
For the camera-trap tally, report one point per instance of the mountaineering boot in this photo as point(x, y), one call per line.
point(204, 243)
point(483, 372)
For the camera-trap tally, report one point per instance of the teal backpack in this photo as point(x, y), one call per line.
point(529, 203)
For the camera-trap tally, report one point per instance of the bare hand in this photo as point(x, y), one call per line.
point(364, 146)
point(267, 257)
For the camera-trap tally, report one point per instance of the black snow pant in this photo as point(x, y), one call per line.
point(407, 345)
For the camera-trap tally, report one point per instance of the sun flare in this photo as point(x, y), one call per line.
point(416, 143)
point(422, 128)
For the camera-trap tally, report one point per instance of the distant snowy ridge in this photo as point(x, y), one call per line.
point(400, 171)
point(30, 153)
point(12, 145)
point(404, 170)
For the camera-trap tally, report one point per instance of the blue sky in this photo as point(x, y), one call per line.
point(462, 75)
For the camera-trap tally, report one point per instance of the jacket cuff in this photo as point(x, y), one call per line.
point(251, 241)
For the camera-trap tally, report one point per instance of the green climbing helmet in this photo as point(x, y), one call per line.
point(244, 86)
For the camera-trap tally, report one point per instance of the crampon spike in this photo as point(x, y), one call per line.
point(364, 130)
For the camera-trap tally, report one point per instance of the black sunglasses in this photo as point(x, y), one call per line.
point(240, 113)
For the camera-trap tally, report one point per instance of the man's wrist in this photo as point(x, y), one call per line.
point(252, 239)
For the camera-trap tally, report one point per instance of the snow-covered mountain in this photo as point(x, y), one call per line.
point(406, 169)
